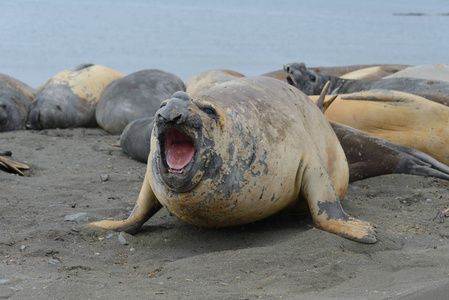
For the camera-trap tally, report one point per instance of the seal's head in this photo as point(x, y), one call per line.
point(181, 146)
point(308, 81)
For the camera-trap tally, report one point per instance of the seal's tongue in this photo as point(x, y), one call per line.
point(290, 81)
point(179, 150)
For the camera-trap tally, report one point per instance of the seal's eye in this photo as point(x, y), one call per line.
point(312, 77)
point(163, 104)
point(210, 111)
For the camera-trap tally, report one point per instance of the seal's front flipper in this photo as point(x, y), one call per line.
point(327, 213)
point(146, 206)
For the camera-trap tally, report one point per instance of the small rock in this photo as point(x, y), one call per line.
point(79, 217)
point(23, 247)
point(54, 261)
point(104, 177)
point(124, 238)
point(110, 236)
point(3, 281)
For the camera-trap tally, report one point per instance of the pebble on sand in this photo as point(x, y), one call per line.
point(79, 217)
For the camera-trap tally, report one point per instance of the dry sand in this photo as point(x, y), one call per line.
point(284, 257)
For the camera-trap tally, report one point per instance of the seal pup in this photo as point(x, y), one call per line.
point(312, 83)
point(137, 95)
point(70, 97)
point(240, 152)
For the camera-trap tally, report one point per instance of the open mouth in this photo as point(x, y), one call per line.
point(290, 81)
point(179, 150)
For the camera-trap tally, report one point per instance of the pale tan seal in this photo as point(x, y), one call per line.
point(240, 152)
point(209, 79)
point(398, 117)
point(69, 98)
point(373, 73)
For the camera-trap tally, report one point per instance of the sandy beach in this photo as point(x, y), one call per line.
point(45, 256)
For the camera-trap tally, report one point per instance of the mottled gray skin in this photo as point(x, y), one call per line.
point(135, 96)
point(312, 83)
point(56, 106)
point(135, 139)
point(15, 101)
point(370, 156)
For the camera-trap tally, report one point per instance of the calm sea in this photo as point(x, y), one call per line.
point(40, 38)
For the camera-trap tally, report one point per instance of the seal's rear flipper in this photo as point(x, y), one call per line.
point(146, 206)
point(12, 165)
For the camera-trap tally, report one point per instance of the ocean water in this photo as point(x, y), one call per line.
point(186, 37)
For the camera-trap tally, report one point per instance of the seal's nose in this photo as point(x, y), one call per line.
point(176, 109)
point(169, 115)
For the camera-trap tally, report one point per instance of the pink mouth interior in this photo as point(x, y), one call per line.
point(179, 150)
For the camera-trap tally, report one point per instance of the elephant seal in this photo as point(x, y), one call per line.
point(373, 73)
point(70, 97)
point(312, 83)
point(401, 118)
point(431, 72)
point(370, 156)
point(240, 152)
point(137, 95)
point(368, 71)
point(135, 139)
point(209, 79)
point(15, 101)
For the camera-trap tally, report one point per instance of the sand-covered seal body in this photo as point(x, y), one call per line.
point(401, 118)
point(69, 98)
point(312, 83)
point(431, 72)
point(15, 101)
point(209, 79)
point(137, 95)
point(374, 73)
point(240, 152)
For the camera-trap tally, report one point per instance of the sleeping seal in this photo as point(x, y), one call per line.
point(312, 83)
point(15, 101)
point(240, 152)
point(209, 79)
point(70, 97)
point(401, 118)
point(137, 95)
